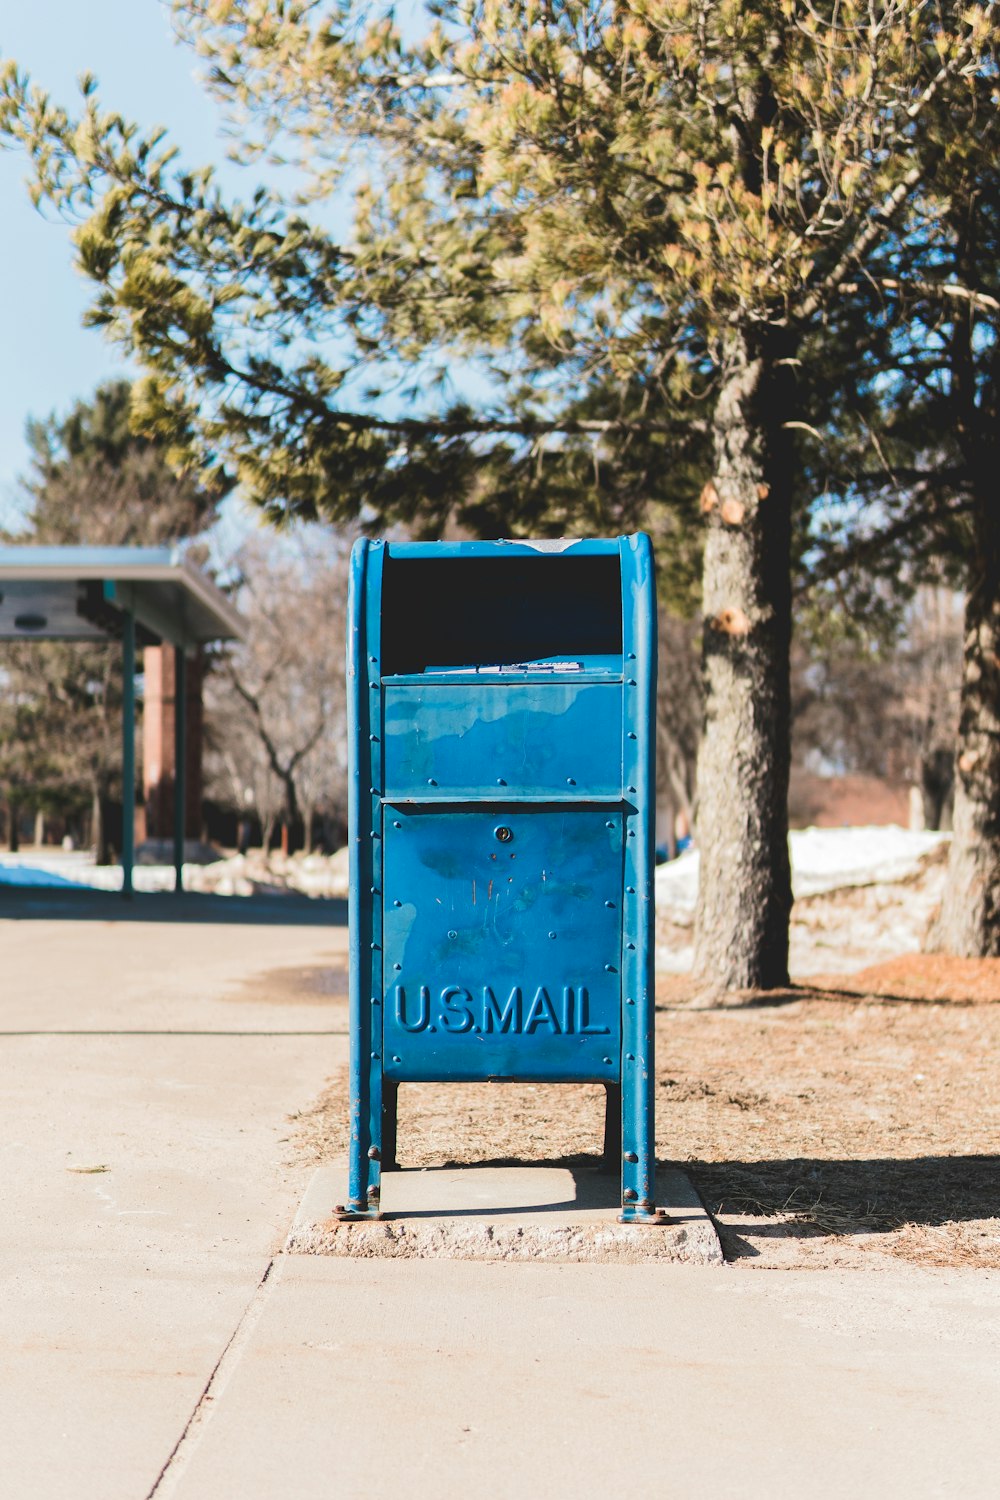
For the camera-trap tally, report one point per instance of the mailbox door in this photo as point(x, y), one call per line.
point(502, 942)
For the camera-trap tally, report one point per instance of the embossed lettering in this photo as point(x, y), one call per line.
point(423, 1011)
point(585, 1027)
point(568, 1015)
point(541, 1013)
point(455, 1016)
point(507, 1019)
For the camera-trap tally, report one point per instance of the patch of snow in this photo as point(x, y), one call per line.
point(823, 859)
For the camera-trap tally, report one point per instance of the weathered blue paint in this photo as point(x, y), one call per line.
point(501, 832)
point(502, 958)
point(585, 547)
point(480, 740)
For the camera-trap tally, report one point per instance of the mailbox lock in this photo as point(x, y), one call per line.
point(504, 834)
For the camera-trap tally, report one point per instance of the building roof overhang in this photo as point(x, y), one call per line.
point(84, 593)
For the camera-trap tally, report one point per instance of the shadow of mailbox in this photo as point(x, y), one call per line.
point(501, 832)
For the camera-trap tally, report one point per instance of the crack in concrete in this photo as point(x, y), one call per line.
point(169, 1477)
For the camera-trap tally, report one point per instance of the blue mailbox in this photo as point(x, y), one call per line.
point(501, 767)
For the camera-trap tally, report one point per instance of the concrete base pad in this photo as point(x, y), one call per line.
point(504, 1213)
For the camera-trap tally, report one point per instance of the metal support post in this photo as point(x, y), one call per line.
point(128, 751)
point(180, 764)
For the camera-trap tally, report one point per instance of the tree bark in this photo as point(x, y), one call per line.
point(13, 830)
point(744, 895)
point(969, 920)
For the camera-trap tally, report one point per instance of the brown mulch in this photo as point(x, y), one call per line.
point(846, 1122)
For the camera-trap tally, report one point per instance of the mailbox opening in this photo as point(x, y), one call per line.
point(484, 611)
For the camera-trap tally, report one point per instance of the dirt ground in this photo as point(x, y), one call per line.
point(848, 1121)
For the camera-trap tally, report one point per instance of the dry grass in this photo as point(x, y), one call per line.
point(833, 1124)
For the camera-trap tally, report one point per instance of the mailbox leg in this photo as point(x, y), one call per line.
point(612, 1127)
point(390, 1093)
point(638, 1157)
point(364, 1164)
point(365, 907)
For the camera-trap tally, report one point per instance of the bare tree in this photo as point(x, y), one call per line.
point(276, 708)
point(883, 704)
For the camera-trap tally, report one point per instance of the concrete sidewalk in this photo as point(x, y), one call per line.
point(147, 1073)
point(155, 1342)
point(379, 1379)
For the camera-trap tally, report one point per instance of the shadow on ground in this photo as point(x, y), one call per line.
point(816, 1196)
point(32, 903)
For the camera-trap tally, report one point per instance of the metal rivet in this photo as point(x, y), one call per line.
point(630, 1156)
point(373, 1193)
point(631, 682)
point(631, 735)
point(374, 890)
point(375, 1000)
point(397, 903)
point(431, 781)
point(396, 1058)
point(630, 889)
point(374, 835)
point(610, 968)
point(374, 1154)
point(630, 788)
point(503, 834)
point(452, 933)
point(610, 903)
point(570, 781)
point(610, 823)
point(396, 823)
point(373, 738)
point(629, 1001)
point(374, 947)
point(607, 1059)
point(375, 1057)
point(630, 1057)
point(374, 686)
point(500, 781)
point(551, 934)
point(397, 967)
point(630, 947)
point(373, 658)
point(631, 833)
point(630, 1195)
point(373, 790)
point(631, 656)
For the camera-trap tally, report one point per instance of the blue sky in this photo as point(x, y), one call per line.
point(48, 358)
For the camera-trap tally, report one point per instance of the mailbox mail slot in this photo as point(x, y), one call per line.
point(501, 762)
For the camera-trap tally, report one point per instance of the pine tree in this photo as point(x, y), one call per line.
point(581, 196)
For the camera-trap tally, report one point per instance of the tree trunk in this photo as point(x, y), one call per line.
point(309, 818)
point(969, 920)
point(39, 828)
point(744, 894)
point(13, 830)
